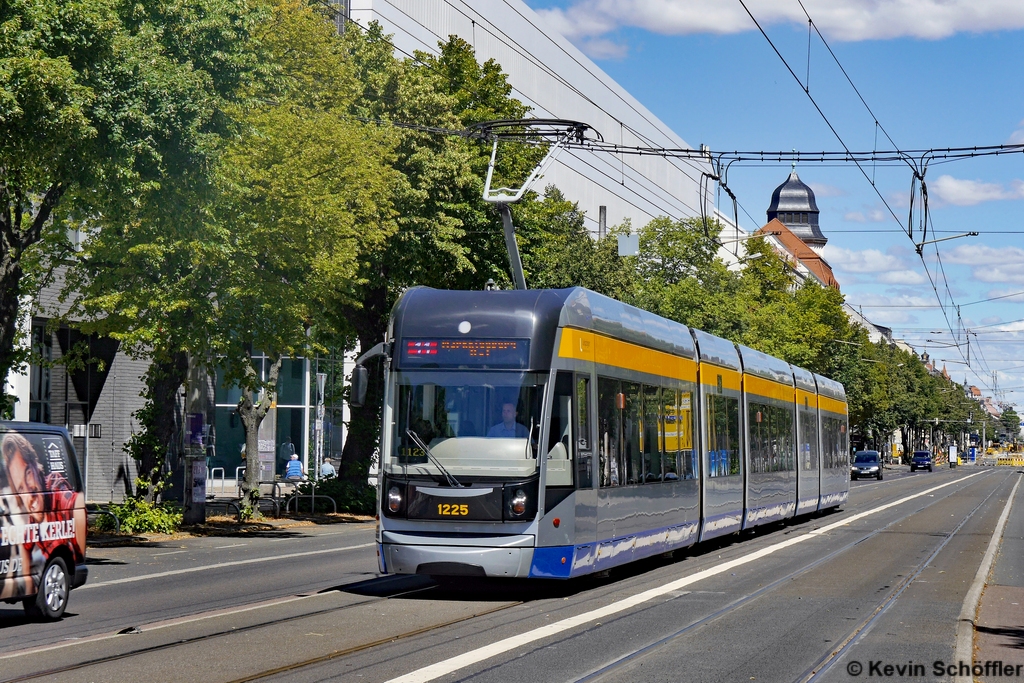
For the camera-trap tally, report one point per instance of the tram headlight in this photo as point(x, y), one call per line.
point(518, 503)
point(394, 499)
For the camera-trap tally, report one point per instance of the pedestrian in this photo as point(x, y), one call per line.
point(327, 470)
point(293, 472)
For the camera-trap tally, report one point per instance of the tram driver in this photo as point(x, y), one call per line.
point(508, 427)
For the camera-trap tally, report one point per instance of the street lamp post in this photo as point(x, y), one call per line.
point(321, 380)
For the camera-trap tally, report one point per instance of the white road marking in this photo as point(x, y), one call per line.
point(235, 545)
point(173, 552)
point(162, 624)
point(219, 565)
point(447, 666)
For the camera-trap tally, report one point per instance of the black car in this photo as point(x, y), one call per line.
point(921, 460)
point(866, 464)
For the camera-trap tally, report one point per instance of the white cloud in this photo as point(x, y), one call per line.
point(970, 192)
point(865, 261)
point(981, 254)
point(999, 273)
point(901, 277)
point(1017, 136)
point(602, 48)
point(991, 320)
point(1006, 296)
point(854, 217)
point(848, 20)
point(871, 300)
point(822, 190)
point(890, 317)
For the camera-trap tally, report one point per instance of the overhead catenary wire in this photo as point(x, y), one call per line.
point(894, 157)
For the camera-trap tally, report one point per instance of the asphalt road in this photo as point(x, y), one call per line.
point(881, 583)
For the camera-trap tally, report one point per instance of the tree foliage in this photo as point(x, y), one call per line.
point(101, 101)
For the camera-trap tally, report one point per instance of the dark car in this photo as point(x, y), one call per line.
point(866, 464)
point(921, 460)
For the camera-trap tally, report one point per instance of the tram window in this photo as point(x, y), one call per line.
point(558, 463)
point(784, 438)
point(609, 426)
point(723, 427)
point(808, 441)
point(583, 412)
point(758, 420)
point(687, 427)
point(584, 455)
point(633, 462)
point(652, 433)
point(670, 434)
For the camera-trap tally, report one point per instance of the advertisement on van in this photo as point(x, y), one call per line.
point(42, 513)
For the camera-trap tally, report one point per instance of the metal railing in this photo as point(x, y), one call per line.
point(211, 475)
point(108, 513)
point(288, 503)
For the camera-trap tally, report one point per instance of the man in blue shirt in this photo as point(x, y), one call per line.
point(508, 427)
point(293, 472)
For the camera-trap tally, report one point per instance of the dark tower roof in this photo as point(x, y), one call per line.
point(793, 204)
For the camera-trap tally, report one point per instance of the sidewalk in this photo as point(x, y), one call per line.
point(999, 626)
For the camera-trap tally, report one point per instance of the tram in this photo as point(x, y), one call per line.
point(556, 433)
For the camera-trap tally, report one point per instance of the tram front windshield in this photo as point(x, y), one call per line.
point(476, 424)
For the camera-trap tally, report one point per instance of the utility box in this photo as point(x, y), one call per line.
point(194, 511)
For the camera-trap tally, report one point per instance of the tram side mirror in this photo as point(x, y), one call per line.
point(360, 380)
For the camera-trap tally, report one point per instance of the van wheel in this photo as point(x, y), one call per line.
point(51, 600)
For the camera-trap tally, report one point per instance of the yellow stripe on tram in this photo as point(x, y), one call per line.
point(597, 348)
point(832, 405)
point(806, 399)
point(711, 375)
point(767, 389)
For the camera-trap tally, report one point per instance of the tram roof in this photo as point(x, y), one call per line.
point(535, 314)
point(589, 310)
point(830, 388)
point(762, 365)
point(804, 378)
point(717, 350)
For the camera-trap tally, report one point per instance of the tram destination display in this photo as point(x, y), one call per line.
point(457, 353)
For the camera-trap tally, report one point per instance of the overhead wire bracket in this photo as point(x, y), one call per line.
point(556, 132)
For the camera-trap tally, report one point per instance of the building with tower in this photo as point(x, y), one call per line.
point(793, 205)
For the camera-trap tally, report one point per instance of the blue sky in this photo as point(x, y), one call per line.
point(935, 73)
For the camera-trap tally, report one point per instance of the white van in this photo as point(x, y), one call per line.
point(42, 518)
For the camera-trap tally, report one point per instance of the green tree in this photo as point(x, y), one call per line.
point(294, 194)
point(304, 192)
point(1010, 421)
point(447, 236)
point(100, 101)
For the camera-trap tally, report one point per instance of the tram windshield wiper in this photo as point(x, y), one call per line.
point(452, 481)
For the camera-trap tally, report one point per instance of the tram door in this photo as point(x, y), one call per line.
point(570, 460)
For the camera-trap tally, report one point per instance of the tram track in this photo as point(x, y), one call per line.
point(96, 661)
point(826, 662)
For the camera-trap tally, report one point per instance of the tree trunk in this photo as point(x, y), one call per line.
point(252, 415)
point(161, 420)
point(15, 238)
point(10, 357)
point(363, 435)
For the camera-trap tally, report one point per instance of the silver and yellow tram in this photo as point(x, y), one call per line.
point(554, 433)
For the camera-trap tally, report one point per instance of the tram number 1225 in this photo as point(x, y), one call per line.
point(450, 510)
